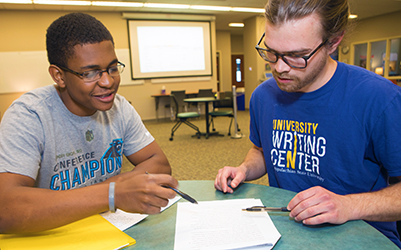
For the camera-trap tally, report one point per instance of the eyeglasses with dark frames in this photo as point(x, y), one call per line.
point(294, 61)
point(96, 74)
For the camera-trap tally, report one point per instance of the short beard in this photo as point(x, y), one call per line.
point(300, 84)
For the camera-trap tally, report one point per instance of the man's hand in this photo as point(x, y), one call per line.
point(229, 176)
point(143, 193)
point(317, 205)
point(252, 168)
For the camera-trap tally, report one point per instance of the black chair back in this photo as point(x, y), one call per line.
point(226, 100)
point(205, 93)
point(177, 102)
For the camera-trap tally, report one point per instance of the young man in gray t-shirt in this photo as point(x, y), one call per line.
point(61, 146)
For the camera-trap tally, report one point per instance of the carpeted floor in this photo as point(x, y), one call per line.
point(200, 159)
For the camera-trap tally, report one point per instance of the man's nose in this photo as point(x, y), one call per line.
point(281, 66)
point(105, 79)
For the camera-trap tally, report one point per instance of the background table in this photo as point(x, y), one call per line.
point(205, 100)
point(158, 231)
point(157, 100)
point(159, 96)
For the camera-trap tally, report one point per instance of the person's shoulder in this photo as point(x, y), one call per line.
point(269, 83)
point(119, 98)
point(121, 107)
point(369, 89)
point(267, 87)
point(120, 102)
point(364, 79)
point(37, 97)
point(362, 75)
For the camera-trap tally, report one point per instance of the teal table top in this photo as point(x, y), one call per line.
point(158, 231)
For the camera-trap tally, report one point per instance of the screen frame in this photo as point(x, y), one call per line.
point(136, 74)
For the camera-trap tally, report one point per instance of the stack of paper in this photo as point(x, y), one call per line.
point(123, 220)
point(223, 225)
point(90, 233)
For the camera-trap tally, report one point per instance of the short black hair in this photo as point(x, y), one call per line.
point(72, 29)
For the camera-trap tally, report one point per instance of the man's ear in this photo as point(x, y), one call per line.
point(58, 75)
point(335, 42)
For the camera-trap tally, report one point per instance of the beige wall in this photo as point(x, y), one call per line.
point(237, 44)
point(223, 44)
point(228, 45)
point(253, 63)
point(379, 27)
point(26, 30)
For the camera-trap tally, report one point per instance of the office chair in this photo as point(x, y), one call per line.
point(182, 117)
point(182, 106)
point(203, 93)
point(220, 109)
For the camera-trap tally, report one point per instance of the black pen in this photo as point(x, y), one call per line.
point(182, 194)
point(265, 209)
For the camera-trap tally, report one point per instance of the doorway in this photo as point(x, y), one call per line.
point(237, 70)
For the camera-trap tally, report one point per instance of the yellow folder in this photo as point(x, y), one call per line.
point(93, 232)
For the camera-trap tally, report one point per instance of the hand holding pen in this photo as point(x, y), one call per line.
point(182, 194)
point(135, 194)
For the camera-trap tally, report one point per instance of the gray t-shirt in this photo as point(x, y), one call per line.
point(42, 139)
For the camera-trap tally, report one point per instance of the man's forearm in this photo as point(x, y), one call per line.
point(382, 205)
point(154, 166)
point(35, 209)
point(254, 164)
point(150, 159)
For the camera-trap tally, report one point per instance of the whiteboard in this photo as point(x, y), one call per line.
point(23, 71)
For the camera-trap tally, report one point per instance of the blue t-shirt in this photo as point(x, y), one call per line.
point(343, 137)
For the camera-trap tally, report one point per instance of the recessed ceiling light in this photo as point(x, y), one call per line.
point(240, 25)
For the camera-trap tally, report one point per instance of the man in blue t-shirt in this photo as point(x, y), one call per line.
point(325, 129)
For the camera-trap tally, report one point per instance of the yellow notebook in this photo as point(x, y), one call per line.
point(90, 233)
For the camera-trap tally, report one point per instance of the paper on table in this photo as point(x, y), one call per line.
point(223, 225)
point(123, 220)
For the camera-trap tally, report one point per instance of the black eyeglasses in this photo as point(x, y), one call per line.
point(294, 61)
point(96, 74)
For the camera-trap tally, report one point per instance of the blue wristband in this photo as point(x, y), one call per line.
point(112, 207)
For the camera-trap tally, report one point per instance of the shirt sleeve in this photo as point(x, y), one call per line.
point(21, 141)
point(136, 135)
point(253, 126)
point(385, 146)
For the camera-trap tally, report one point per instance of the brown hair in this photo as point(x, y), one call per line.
point(333, 14)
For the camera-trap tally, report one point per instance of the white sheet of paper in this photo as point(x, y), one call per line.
point(123, 220)
point(222, 224)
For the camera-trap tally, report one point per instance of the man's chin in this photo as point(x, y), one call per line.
point(290, 88)
point(104, 107)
